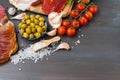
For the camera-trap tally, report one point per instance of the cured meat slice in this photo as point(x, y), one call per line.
point(60, 6)
point(53, 5)
point(8, 44)
point(2, 12)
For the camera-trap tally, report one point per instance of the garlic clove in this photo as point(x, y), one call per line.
point(11, 11)
point(64, 46)
point(52, 33)
point(19, 16)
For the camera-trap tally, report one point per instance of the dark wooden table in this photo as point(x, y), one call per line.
point(97, 57)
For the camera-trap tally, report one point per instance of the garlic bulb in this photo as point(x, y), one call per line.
point(12, 11)
point(55, 19)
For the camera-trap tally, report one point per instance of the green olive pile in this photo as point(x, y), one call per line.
point(32, 26)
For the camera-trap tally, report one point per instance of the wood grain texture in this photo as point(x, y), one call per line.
point(97, 57)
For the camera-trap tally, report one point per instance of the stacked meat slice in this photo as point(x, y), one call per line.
point(8, 44)
point(53, 5)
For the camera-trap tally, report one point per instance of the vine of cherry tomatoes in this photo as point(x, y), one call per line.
point(81, 15)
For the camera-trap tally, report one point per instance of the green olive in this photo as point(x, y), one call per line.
point(24, 26)
point(20, 25)
point(32, 19)
point(44, 27)
point(25, 35)
point(31, 36)
point(21, 31)
point(32, 16)
point(23, 21)
point(36, 21)
point(32, 24)
point(33, 30)
point(37, 26)
point(41, 19)
point(28, 30)
point(28, 21)
point(26, 17)
point(39, 29)
point(37, 35)
point(29, 26)
point(37, 16)
point(41, 23)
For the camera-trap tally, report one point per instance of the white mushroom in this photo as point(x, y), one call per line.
point(11, 10)
point(19, 16)
point(64, 46)
point(52, 32)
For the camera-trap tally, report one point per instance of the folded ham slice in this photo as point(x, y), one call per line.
point(8, 44)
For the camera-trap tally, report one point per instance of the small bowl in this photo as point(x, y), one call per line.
point(35, 38)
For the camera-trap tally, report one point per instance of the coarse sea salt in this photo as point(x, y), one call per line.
point(28, 53)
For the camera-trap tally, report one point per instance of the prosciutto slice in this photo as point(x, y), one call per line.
point(8, 44)
point(2, 12)
point(53, 5)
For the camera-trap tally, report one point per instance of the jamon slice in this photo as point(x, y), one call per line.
point(53, 5)
point(2, 12)
point(8, 44)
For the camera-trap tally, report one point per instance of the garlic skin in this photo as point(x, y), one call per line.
point(52, 33)
point(11, 11)
point(55, 19)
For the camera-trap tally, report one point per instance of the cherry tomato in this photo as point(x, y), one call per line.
point(61, 30)
point(71, 31)
point(88, 15)
point(74, 13)
point(83, 21)
point(75, 24)
point(93, 9)
point(81, 6)
point(66, 23)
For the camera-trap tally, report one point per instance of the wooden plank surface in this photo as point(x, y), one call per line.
point(97, 57)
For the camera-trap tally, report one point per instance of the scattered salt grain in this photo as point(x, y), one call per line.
point(82, 35)
point(23, 62)
point(79, 29)
point(28, 53)
point(72, 47)
point(79, 36)
point(20, 69)
point(78, 41)
point(46, 58)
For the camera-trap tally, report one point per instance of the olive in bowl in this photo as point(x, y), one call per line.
point(32, 27)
